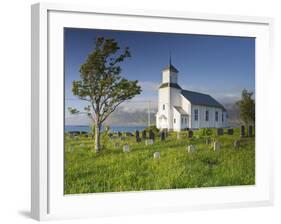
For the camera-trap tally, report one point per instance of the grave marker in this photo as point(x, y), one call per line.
point(191, 148)
point(242, 131)
point(162, 136)
point(236, 144)
point(143, 134)
point(156, 155)
point(138, 139)
point(126, 148)
point(230, 131)
point(148, 142)
point(217, 146)
point(190, 134)
point(220, 131)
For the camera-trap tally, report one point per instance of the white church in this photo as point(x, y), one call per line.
point(180, 109)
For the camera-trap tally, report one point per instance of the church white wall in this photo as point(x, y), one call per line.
point(211, 123)
point(163, 100)
point(175, 100)
point(176, 120)
point(186, 106)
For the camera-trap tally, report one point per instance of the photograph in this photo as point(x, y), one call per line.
point(148, 111)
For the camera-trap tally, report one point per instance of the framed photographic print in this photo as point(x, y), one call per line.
point(148, 111)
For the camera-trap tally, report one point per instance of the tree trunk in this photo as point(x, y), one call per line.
point(97, 137)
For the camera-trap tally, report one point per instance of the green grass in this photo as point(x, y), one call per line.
point(113, 170)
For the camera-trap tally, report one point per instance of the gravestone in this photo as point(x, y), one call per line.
point(150, 133)
point(166, 132)
point(217, 146)
point(149, 142)
point(178, 135)
point(126, 148)
point(143, 134)
point(236, 144)
point(208, 141)
point(220, 131)
point(242, 131)
point(82, 145)
point(138, 139)
point(191, 148)
point(190, 134)
point(230, 131)
point(250, 131)
point(156, 155)
point(122, 138)
point(162, 136)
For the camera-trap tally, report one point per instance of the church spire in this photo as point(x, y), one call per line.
point(170, 66)
point(170, 58)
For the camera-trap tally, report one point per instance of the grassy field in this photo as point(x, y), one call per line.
point(113, 170)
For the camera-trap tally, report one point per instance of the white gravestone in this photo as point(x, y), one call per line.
point(149, 142)
point(156, 155)
point(236, 144)
point(126, 148)
point(217, 146)
point(178, 135)
point(191, 148)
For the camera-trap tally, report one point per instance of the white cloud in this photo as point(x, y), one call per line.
point(148, 86)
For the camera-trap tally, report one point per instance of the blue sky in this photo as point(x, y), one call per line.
point(218, 65)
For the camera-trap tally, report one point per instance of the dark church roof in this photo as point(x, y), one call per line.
point(201, 99)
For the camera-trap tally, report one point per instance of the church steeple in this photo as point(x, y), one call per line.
point(170, 73)
point(170, 59)
point(170, 67)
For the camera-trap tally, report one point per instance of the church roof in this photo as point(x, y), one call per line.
point(180, 110)
point(170, 84)
point(201, 99)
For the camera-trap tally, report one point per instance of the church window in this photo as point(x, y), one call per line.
point(222, 118)
point(163, 106)
point(207, 115)
point(174, 120)
point(196, 114)
point(182, 120)
point(217, 115)
point(185, 121)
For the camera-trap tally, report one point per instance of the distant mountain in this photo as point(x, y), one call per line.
point(131, 118)
point(139, 117)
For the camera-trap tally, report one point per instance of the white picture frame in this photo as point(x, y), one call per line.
point(47, 199)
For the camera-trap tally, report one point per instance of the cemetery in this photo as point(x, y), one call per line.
point(150, 160)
